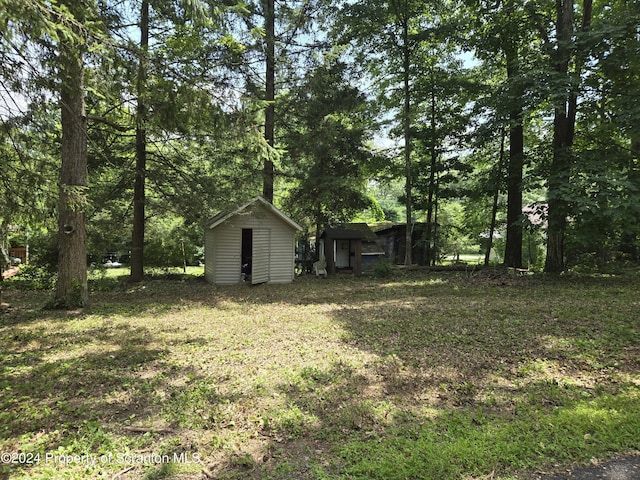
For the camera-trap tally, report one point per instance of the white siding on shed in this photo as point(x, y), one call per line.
point(283, 255)
point(260, 256)
point(227, 254)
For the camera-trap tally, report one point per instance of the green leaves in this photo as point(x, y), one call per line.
point(326, 129)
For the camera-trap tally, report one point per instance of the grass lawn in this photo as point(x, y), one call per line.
point(470, 258)
point(414, 376)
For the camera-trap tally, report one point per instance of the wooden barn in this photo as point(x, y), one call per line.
point(392, 238)
point(350, 248)
point(254, 242)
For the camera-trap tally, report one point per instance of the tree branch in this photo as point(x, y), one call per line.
point(115, 126)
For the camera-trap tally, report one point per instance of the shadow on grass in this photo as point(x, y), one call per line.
point(55, 381)
point(80, 387)
point(341, 425)
point(460, 380)
point(465, 385)
point(159, 296)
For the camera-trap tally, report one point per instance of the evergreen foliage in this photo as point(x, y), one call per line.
point(434, 84)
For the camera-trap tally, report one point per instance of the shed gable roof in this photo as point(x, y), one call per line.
point(222, 216)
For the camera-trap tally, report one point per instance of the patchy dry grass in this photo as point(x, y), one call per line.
point(413, 376)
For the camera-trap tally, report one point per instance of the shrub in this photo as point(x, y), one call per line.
point(33, 277)
point(382, 269)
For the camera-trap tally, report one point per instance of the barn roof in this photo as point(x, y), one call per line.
point(385, 228)
point(367, 234)
point(351, 231)
point(222, 216)
point(342, 234)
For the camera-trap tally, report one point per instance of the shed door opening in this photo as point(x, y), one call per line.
point(246, 253)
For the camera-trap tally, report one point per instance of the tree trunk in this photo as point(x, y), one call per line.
point(319, 225)
point(71, 288)
point(559, 175)
point(496, 194)
point(429, 234)
point(436, 251)
point(270, 95)
point(2, 263)
point(430, 247)
point(563, 132)
point(629, 238)
point(513, 244)
point(137, 236)
point(407, 143)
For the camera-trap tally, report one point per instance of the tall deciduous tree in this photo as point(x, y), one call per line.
point(509, 28)
point(604, 191)
point(511, 47)
point(568, 61)
point(386, 36)
point(442, 92)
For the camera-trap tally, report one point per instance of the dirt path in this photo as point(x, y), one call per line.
point(623, 468)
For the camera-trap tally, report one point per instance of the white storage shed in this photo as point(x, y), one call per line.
point(256, 233)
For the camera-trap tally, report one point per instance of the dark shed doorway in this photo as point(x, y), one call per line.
point(246, 253)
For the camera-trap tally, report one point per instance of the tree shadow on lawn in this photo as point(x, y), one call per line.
point(159, 296)
point(443, 364)
point(458, 388)
point(128, 300)
point(70, 387)
point(486, 373)
point(343, 425)
point(463, 350)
